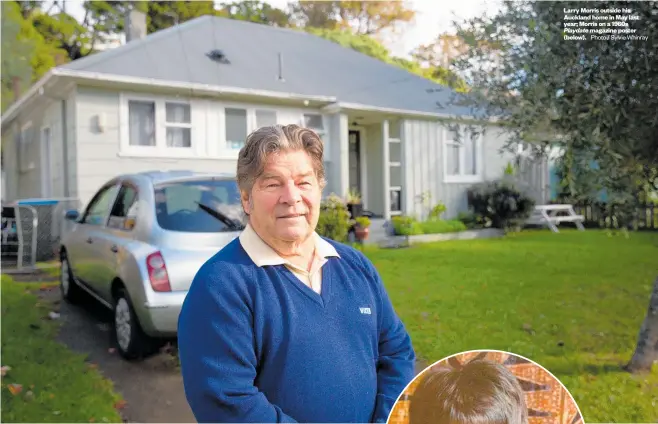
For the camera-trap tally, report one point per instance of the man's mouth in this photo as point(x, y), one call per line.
point(292, 215)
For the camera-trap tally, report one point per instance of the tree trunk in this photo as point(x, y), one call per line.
point(646, 351)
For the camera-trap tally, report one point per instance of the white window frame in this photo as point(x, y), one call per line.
point(479, 157)
point(264, 109)
point(24, 144)
point(160, 149)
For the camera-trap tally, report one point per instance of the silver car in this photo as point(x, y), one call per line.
point(138, 244)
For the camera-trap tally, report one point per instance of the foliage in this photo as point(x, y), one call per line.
point(471, 220)
point(590, 100)
point(564, 302)
point(363, 221)
point(362, 18)
point(256, 11)
point(410, 226)
point(438, 210)
point(334, 221)
point(501, 203)
point(353, 197)
point(45, 380)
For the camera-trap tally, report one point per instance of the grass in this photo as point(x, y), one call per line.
point(56, 385)
point(573, 302)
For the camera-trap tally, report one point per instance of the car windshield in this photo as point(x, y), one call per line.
point(179, 205)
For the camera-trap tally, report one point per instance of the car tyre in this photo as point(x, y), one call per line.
point(71, 291)
point(131, 341)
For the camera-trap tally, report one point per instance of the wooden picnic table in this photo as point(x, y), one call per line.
point(553, 215)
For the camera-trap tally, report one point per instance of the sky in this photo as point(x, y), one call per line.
point(433, 17)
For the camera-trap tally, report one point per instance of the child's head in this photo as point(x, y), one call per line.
point(480, 392)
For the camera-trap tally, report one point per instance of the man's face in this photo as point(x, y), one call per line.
point(285, 200)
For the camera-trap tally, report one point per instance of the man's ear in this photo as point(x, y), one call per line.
point(244, 198)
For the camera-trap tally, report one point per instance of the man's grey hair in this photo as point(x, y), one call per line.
point(265, 141)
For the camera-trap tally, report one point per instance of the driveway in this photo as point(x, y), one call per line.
point(153, 388)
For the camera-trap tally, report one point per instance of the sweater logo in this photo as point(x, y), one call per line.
point(365, 311)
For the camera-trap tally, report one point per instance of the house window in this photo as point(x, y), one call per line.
point(265, 118)
point(178, 122)
point(462, 148)
point(141, 115)
point(315, 122)
point(236, 127)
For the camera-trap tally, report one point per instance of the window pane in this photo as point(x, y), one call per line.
point(179, 137)
point(470, 155)
point(100, 206)
point(313, 121)
point(141, 123)
point(177, 209)
point(123, 211)
point(265, 118)
point(236, 128)
point(178, 113)
point(453, 159)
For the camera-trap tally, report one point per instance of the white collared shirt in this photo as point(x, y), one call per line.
point(262, 254)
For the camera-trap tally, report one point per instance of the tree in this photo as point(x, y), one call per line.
point(256, 11)
point(362, 17)
point(16, 53)
point(26, 54)
point(593, 100)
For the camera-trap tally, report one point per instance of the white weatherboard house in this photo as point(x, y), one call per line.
point(186, 98)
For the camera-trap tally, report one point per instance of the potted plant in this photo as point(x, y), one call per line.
point(354, 205)
point(361, 229)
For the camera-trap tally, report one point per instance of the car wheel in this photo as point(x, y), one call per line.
point(71, 292)
point(131, 341)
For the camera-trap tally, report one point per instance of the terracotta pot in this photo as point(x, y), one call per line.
point(361, 233)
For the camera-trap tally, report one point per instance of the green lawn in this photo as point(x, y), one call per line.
point(573, 302)
point(46, 382)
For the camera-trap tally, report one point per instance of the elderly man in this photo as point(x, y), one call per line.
point(283, 325)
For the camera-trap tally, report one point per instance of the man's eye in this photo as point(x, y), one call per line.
point(306, 183)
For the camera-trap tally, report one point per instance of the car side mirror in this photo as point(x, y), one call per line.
point(72, 215)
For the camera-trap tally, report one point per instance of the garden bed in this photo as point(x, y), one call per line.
point(485, 233)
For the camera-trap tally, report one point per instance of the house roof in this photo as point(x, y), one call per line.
point(311, 65)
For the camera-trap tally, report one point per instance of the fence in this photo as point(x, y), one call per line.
point(32, 230)
point(601, 215)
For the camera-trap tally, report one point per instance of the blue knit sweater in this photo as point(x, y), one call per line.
point(257, 345)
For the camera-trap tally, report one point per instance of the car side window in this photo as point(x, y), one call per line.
point(100, 206)
point(124, 211)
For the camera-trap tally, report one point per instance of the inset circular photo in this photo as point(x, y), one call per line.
point(488, 387)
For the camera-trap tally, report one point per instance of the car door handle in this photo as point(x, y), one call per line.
point(89, 240)
point(114, 248)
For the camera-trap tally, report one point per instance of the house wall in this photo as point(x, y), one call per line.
point(423, 171)
point(26, 169)
point(102, 152)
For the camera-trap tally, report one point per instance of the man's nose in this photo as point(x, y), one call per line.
point(291, 194)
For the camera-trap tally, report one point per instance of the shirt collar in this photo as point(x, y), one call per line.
point(262, 254)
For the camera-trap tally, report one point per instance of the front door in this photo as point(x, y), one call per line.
point(355, 161)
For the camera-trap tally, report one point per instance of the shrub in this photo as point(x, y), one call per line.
point(471, 220)
point(363, 221)
point(437, 211)
point(334, 221)
point(500, 202)
point(442, 226)
point(406, 226)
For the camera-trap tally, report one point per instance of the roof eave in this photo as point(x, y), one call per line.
point(340, 106)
